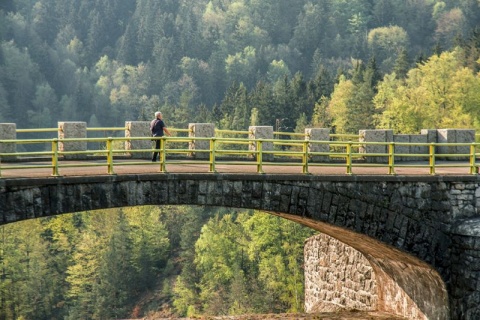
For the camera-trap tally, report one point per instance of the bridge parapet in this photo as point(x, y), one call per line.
point(370, 146)
point(410, 146)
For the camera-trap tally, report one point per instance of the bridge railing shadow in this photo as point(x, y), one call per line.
point(227, 151)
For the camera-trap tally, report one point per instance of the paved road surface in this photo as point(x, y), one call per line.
point(149, 167)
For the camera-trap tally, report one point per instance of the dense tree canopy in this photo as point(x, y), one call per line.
point(340, 64)
point(109, 62)
point(106, 264)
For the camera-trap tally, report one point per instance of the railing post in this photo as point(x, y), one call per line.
point(391, 160)
point(212, 154)
point(136, 129)
point(199, 147)
point(55, 157)
point(8, 131)
point(379, 135)
point(72, 130)
point(431, 158)
point(259, 152)
point(473, 165)
point(262, 132)
point(318, 134)
point(349, 157)
point(305, 157)
point(163, 154)
point(110, 155)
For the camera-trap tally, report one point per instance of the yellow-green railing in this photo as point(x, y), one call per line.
point(172, 151)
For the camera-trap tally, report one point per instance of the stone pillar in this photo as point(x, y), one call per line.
point(262, 132)
point(72, 130)
point(203, 130)
point(8, 131)
point(454, 136)
point(375, 136)
point(136, 129)
point(318, 134)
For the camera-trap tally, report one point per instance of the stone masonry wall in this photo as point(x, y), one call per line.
point(337, 277)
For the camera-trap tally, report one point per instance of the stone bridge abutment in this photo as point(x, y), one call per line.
point(418, 236)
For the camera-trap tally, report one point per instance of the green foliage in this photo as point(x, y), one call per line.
point(122, 60)
point(438, 94)
point(253, 260)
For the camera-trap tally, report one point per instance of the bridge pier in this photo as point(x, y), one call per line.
point(465, 283)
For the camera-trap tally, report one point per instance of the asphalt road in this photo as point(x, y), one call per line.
point(99, 167)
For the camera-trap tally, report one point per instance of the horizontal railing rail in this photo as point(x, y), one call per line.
point(257, 152)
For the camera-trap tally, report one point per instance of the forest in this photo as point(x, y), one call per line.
point(151, 261)
point(340, 64)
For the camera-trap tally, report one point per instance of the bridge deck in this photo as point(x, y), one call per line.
point(94, 167)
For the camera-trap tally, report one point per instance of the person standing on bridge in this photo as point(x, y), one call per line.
point(157, 127)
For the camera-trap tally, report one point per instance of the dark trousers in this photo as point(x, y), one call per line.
point(155, 153)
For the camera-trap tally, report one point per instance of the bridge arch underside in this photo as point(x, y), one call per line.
point(402, 225)
point(389, 280)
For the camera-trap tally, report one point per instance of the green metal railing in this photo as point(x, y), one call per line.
point(260, 152)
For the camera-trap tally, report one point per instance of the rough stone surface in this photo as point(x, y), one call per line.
point(337, 277)
point(455, 136)
point(375, 136)
point(138, 129)
point(262, 132)
point(419, 231)
point(8, 131)
point(318, 134)
point(72, 130)
point(203, 130)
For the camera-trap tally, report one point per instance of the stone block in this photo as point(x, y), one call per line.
point(431, 135)
point(318, 134)
point(138, 129)
point(8, 131)
point(261, 132)
point(384, 136)
point(448, 136)
point(203, 130)
point(401, 149)
point(419, 146)
point(72, 130)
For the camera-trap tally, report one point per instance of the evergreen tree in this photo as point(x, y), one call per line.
point(402, 64)
point(114, 289)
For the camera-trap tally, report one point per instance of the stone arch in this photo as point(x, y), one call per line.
point(404, 285)
point(414, 216)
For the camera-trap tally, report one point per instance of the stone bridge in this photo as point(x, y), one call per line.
point(408, 245)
